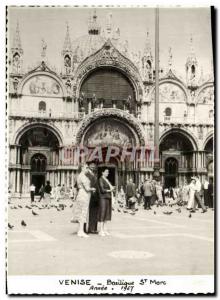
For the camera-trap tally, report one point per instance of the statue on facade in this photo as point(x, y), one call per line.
point(16, 63)
point(43, 48)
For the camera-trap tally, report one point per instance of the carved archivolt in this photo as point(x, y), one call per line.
point(108, 56)
point(126, 118)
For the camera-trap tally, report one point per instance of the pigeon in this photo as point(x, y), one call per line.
point(136, 209)
point(125, 211)
point(10, 226)
point(34, 213)
point(167, 212)
point(71, 205)
point(190, 216)
point(20, 206)
point(179, 210)
point(23, 223)
point(132, 213)
point(155, 213)
point(15, 207)
point(28, 207)
point(119, 210)
point(113, 209)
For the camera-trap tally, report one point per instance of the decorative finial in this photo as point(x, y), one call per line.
point(44, 48)
point(109, 23)
point(67, 46)
point(94, 27)
point(170, 59)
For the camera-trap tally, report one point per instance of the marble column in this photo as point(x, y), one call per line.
point(89, 106)
point(18, 155)
point(18, 182)
point(13, 181)
point(28, 179)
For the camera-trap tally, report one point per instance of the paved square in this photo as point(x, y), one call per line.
point(144, 243)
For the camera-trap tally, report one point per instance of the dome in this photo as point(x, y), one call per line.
point(86, 45)
point(90, 43)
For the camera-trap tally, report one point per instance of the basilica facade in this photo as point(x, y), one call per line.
point(104, 95)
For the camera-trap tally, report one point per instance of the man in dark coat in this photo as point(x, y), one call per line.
point(94, 200)
point(130, 191)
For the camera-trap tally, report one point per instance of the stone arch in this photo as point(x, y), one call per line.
point(189, 136)
point(23, 129)
point(122, 116)
point(201, 89)
point(207, 139)
point(104, 59)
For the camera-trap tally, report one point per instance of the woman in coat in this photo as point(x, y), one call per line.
point(82, 200)
point(105, 208)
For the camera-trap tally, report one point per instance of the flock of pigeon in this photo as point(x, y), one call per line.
point(58, 207)
point(61, 206)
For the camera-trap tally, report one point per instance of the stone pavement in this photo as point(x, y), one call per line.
point(142, 244)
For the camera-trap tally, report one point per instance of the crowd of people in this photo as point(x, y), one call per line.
point(94, 198)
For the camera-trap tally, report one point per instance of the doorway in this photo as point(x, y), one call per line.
point(38, 180)
point(171, 172)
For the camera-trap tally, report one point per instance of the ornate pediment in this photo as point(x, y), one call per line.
point(42, 67)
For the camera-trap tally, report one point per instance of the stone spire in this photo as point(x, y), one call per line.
point(147, 48)
point(67, 46)
point(191, 66)
point(147, 61)
point(16, 51)
point(109, 24)
point(67, 53)
point(93, 26)
point(16, 45)
point(191, 59)
point(170, 59)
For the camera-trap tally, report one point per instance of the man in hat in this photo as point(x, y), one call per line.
point(94, 200)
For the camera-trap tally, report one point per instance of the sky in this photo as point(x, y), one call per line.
point(176, 27)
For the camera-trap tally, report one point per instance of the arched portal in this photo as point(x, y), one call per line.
point(107, 87)
point(178, 157)
point(209, 157)
point(37, 154)
point(113, 143)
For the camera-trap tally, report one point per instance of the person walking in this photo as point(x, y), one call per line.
point(32, 192)
point(198, 200)
point(105, 209)
point(191, 200)
point(130, 192)
point(81, 208)
point(210, 193)
point(159, 193)
point(147, 189)
point(206, 193)
point(185, 193)
point(57, 192)
point(94, 200)
point(41, 193)
point(47, 190)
